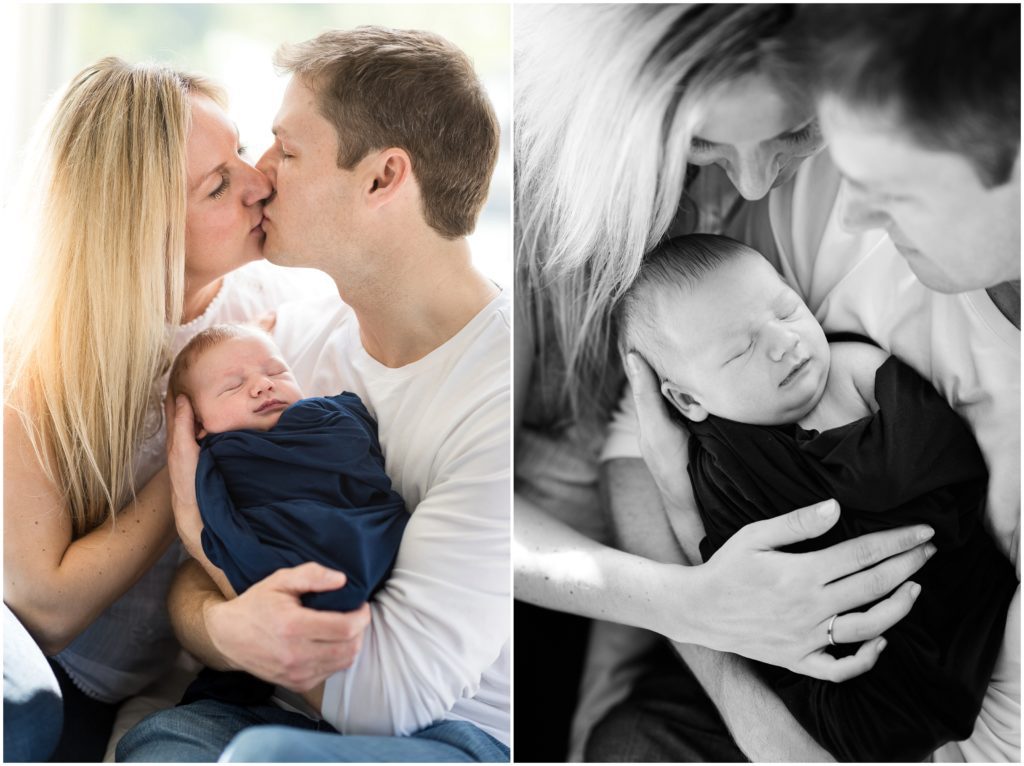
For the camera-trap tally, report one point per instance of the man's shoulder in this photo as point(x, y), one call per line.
point(484, 344)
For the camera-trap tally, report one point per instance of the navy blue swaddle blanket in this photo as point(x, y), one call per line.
point(913, 461)
point(312, 488)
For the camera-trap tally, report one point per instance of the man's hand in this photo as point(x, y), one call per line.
point(267, 632)
point(778, 607)
point(182, 459)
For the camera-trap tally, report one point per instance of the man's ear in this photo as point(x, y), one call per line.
point(682, 401)
point(390, 169)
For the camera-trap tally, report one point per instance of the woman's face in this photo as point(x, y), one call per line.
point(755, 134)
point(225, 198)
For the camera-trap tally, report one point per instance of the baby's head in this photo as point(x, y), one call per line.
point(235, 378)
point(724, 333)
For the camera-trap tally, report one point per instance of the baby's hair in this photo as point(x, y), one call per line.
point(679, 263)
point(201, 342)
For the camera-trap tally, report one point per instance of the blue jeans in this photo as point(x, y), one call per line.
point(203, 730)
point(33, 711)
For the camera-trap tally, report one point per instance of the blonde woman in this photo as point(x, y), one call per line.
point(147, 206)
point(686, 122)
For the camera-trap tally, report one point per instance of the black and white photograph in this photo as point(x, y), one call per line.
point(767, 368)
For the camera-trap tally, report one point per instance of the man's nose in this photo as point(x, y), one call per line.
point(267, 165)
point(859, 211)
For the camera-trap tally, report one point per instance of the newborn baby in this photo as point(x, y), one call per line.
point(284, 480)
point(780, 419)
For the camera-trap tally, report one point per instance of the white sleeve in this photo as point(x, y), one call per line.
point(443, 617)
point(623, 435)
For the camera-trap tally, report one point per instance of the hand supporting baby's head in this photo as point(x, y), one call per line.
point(235, 378)
point(724, 333)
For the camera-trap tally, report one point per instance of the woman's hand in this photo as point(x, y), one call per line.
point(778, 607)
point(182, 459)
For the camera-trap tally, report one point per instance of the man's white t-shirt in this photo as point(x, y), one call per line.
point(969, 351)
point(438, 642)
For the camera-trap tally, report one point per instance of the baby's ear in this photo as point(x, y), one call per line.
point(682, 401)
point(200, 431)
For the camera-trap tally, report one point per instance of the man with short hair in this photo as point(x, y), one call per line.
point(920, 107)
point(384, 147)
point(927, 142)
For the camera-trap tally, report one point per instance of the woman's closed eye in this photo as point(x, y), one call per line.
point(807, 136)
point(699, 145)
point(222, 188)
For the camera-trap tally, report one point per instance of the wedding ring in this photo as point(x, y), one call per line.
point(831, 622)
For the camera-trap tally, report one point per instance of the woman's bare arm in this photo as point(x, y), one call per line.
point(57, 586)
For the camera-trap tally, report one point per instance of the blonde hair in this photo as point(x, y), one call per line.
point(607, 99)
point(89, 337)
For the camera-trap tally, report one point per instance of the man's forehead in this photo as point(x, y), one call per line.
point(870, 146)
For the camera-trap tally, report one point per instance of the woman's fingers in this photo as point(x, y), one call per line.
point(860, 553)
point(863, 587)
point(793, 527)
point(828, 668)
point(855, 627)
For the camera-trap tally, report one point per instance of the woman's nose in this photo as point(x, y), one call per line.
point(259, 186)
point(753, 173)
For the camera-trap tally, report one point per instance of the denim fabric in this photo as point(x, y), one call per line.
point(33, 711)
point(202, 730)
point(444, 742)
point(199, 732)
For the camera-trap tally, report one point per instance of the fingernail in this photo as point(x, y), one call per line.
point(827, 509)
point(926, 533)
point(915, 591)
point(882, 644)
point(929, 550)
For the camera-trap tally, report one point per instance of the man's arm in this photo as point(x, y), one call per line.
point(761, 725)
point(297, 649)
point(443, 617)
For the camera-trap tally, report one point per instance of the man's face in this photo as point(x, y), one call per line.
point(313, 214)
point(241, 383)
point(955, 234)
point(742, 345)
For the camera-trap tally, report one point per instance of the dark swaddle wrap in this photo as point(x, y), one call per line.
point(313, 488)
point(913, 461)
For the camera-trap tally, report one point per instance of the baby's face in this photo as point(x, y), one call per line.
point(241, 383)
point(743, 346)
